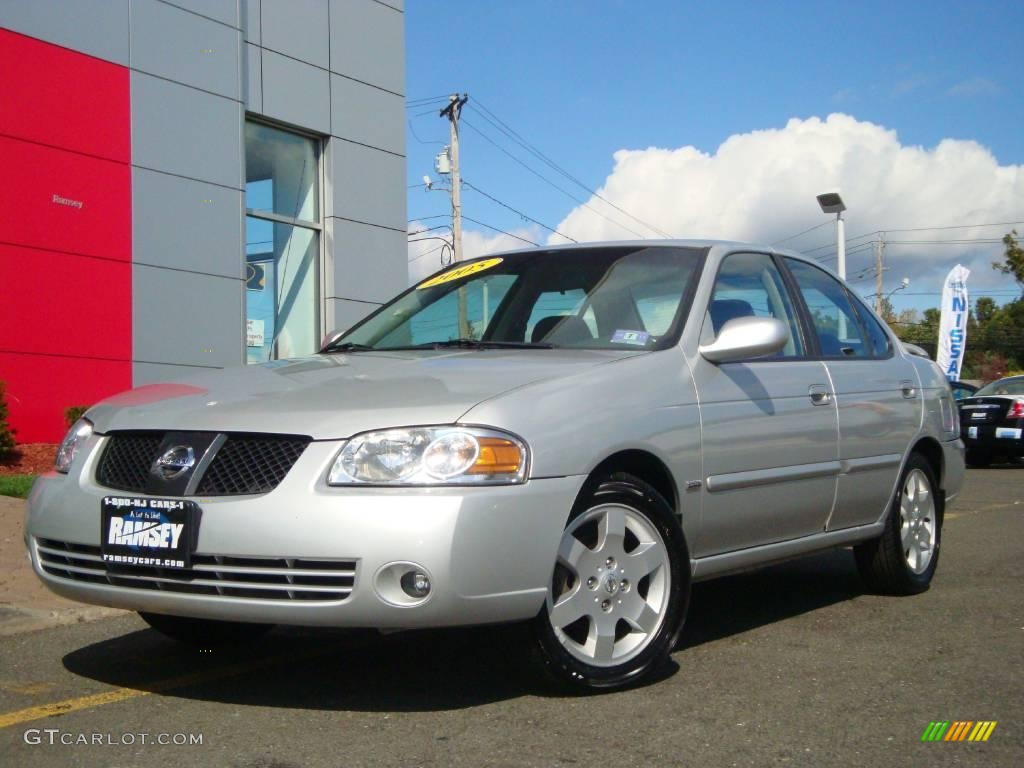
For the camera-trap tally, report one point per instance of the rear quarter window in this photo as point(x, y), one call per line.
point(881, 345)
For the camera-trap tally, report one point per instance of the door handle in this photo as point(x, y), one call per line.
point(908, 389)
point(819, 394)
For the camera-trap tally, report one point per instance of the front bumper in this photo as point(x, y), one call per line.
point(489, 552)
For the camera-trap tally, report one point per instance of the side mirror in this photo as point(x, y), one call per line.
point(330, 338)
point(744, 337)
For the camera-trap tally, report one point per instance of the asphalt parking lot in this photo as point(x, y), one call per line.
point(792, 665)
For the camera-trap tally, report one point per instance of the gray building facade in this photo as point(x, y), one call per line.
point(266, 167)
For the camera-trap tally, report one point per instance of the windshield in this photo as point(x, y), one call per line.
point(1002, 387)
point(587, 298)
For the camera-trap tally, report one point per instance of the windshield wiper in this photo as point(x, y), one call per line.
point(347, 346)
point(478, 344)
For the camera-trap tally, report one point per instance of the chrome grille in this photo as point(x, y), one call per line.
point(251, 464)
point(126, 460)
point(260, 578)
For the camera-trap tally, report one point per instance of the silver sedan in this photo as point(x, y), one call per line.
point(566, 436)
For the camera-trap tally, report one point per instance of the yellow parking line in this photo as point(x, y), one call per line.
point(28, 714)
point(68, 705)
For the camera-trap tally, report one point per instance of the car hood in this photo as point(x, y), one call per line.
point(338, 395)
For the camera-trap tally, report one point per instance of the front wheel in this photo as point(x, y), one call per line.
point(903, 559)
point(620, 588)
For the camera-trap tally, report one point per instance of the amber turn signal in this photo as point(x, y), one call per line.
point(497, 457)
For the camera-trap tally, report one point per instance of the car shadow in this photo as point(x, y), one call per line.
point(735, 604)
point(432, 670)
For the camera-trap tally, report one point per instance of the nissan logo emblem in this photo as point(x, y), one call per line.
point(174, 462)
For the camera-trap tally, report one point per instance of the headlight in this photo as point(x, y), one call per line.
point(80, 431)
point(431, 456)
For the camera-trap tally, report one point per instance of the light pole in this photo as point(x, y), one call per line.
point(831, 202)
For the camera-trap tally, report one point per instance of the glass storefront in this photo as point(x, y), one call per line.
point(282, 243)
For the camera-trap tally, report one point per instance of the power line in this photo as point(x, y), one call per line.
point(511, 132)
point(441, 247)
point(963, 241)
point(416, 136)
point(518, 212)
point(905, 229)
point(826, 246)
point(431, 229)
point(502, 231)
point(547, 180)
point(798, 234)
point(974, 294)
point(957, 226)
point(421, 102)
point(862, 248)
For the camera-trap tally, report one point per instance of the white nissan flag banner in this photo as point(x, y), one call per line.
point(953, 322)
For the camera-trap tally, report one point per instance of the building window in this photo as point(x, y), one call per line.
point(282, 243)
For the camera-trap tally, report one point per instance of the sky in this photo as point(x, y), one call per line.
point(610, 120)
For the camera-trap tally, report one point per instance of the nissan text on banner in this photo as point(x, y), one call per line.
point(953, 322)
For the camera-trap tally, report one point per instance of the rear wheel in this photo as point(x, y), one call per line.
point(205, 633)
point(903, 559)
point(619, 591)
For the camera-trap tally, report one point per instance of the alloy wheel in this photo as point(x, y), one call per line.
point(610, 591)
point(917, 521)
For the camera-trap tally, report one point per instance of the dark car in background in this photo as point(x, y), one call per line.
point(962, 390)
point(992, 422)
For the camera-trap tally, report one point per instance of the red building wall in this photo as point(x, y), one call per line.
point(65, 235)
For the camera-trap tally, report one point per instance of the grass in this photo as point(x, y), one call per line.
point(16, 485)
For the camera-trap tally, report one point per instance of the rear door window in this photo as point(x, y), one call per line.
point(832, 315)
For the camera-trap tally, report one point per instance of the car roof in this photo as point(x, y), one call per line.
point(720, 245)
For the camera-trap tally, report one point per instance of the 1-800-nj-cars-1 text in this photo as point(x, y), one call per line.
point(566, 436)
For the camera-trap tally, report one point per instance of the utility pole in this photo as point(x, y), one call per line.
point(453, 112)
point(879, 259)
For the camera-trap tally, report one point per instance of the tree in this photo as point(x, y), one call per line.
point(984, 310)
point(992, 366)
point(1013, 259)
point(6, 433)
point(886, 311)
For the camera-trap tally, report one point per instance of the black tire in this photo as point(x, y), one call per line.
point(977, 457)
point(883, 562)
point(205, 634)
point(569, 672)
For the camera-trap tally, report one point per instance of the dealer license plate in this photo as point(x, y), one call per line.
point(158, 533)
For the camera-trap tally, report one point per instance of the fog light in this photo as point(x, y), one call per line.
point(416, 584)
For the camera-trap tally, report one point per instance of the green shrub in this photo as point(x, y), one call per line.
point(6, 433)
point(74, 413)
point(16, 485)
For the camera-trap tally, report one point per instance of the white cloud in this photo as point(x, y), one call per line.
point(978, 86)
point(425, 256)
point(761, 186)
